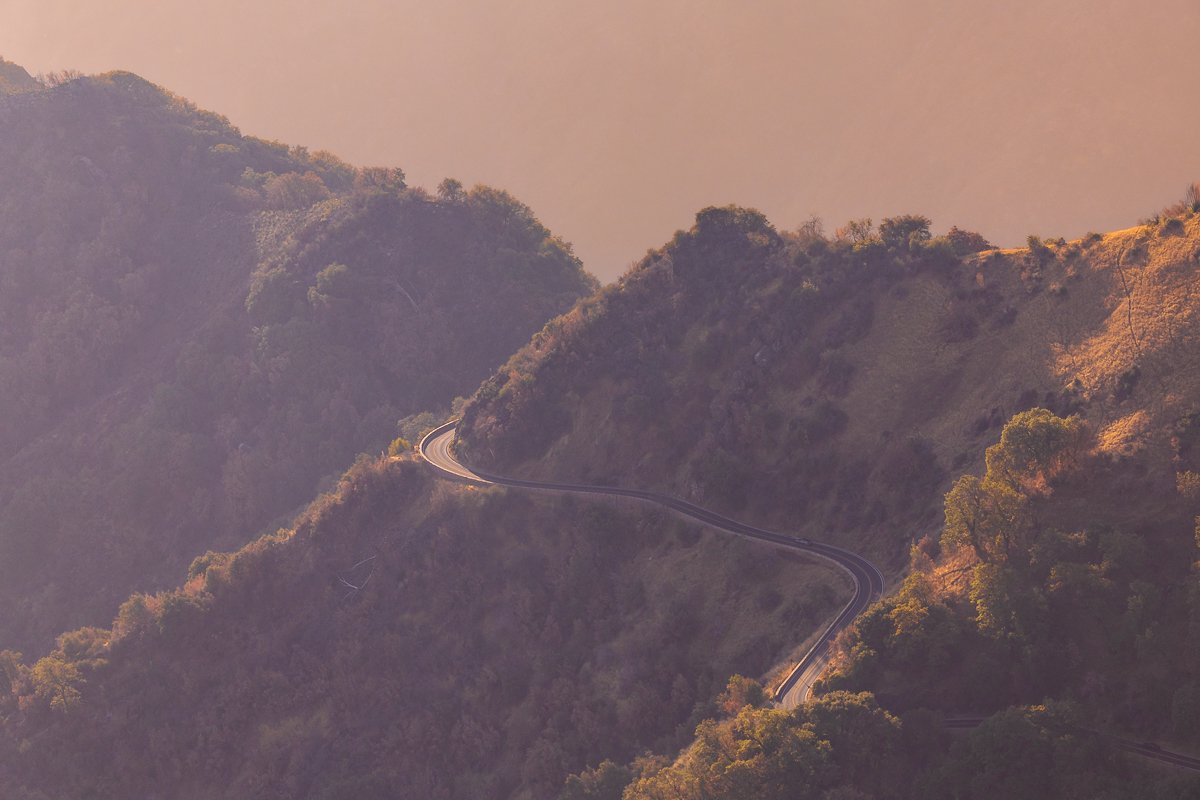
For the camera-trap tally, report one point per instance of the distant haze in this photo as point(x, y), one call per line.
point(617, 120)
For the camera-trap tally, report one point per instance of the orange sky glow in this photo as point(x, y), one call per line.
point(617, 121)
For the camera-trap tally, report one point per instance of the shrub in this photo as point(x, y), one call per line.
point(1038, 249)
point(1172, 227)
point(1137, 254)
point(964, 243)
point(1126, 383)
point(293, 191)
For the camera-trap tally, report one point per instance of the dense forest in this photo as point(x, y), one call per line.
point(198, 328)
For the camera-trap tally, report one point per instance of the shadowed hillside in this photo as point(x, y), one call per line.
point(14, 79)
point(407, 637)
point(197, 327)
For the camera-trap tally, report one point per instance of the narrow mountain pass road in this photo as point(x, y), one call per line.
point(868, 580)
point(434, 448)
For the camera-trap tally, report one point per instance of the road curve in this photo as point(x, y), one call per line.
point(434, 448)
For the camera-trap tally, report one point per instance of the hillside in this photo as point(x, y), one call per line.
point(197, 328)
point(1059, 607)
point(407, 636)
point(14, 79)
point(832, 386)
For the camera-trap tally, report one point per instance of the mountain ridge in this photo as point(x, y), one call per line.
point(161, 342)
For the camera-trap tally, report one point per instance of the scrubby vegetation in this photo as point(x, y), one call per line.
point(848, 377)
point(1049, 587)
point(406, 639)
point(845, 746)
point(725, 360)
point(198, 327)
point(1058, 575)
point(1049, 604)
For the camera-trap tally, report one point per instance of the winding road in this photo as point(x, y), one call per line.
point(797, 686)
point(434, 448)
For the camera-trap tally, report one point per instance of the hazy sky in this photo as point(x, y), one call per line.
point(617, 120)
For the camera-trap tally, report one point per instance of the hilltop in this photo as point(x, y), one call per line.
point(14, 79)
point(199, 328)
point(834, 386)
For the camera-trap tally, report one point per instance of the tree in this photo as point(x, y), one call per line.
point(741, 692)
point(724, 240)
point(58, 78)
point(988, 514)
point(1031, 752)
point(135, 616)
point(855, 726)
point(764, 754)
point(811, 230)
point(58, 681)
point(856, 231)
point(984, 515)
point(905, 233)
point(1035, 447)
point(292, 190)
point(86, 647)
point(451, 191)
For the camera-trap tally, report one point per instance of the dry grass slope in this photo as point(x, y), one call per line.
point(919, 359)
